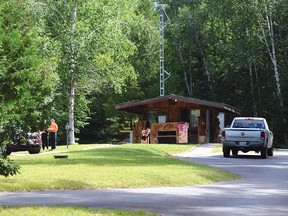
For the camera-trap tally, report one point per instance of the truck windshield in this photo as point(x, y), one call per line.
point(244, 123)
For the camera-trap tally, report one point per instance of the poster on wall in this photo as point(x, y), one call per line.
point(183, 132)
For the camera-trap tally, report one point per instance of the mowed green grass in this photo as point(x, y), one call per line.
point(97, 166)
point(69, 211)
point(103, 166)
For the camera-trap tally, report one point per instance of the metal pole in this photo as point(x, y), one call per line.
point(162, 68)
point(162, 90)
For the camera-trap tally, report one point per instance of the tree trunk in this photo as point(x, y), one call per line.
point(188, 82)
point(206, 72)
point(71, 113)
point(258, 101)
point(203, 59)
point(252, 89)
point(272, 52)
point(73, 80)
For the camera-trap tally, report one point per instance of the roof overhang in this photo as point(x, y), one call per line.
point(140, 107)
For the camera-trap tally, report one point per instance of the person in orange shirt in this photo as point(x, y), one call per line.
point(53, 128)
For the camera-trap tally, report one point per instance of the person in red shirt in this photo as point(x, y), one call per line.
point(53, 128)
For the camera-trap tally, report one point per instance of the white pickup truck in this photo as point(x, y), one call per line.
point(247, 134)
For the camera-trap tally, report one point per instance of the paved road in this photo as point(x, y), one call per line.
point(262, 191)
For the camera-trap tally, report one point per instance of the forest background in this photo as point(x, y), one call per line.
point(74, 60)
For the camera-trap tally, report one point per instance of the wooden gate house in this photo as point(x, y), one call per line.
point(177, 119)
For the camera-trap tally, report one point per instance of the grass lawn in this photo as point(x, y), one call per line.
point(94, 167)
point(104, 166)
point(68, 211)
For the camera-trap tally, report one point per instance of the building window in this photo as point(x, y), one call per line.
point(184, 115)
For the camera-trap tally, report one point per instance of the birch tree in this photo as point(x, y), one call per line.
point(266, 25)
point(92, 39)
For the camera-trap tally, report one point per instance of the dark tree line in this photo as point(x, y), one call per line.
point(233, 52)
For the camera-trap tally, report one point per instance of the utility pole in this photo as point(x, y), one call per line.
point(162, 68)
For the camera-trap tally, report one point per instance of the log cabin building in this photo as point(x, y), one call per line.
point(177, 119)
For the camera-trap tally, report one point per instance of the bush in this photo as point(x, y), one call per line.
point(8, 167)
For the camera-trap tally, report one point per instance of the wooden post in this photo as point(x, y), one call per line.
point(207, 126)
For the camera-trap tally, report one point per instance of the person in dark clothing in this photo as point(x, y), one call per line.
point(44, 137)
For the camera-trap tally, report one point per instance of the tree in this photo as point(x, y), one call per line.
point(266, 25)
point(105, 122)
point(24, 80)
point(91, 37)
point(231, 51)
point(98, 43)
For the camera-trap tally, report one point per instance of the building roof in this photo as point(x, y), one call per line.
point(139, 107)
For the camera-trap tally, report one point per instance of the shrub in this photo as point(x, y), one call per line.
point(8, 167)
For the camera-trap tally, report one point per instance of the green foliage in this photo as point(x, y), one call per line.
point(24, 80)
point(218, 50)
point(100, 46)
point(109, 53)
point(8, 167)
point(142, 31)
point(105, 124)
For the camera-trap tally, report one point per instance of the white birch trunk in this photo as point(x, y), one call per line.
point(206, 71)
point(271, 50)
point(187, 82)
point(71, 113)
point(73, 81)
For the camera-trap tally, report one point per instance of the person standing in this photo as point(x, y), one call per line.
point(44, 138)
point(53, 128)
